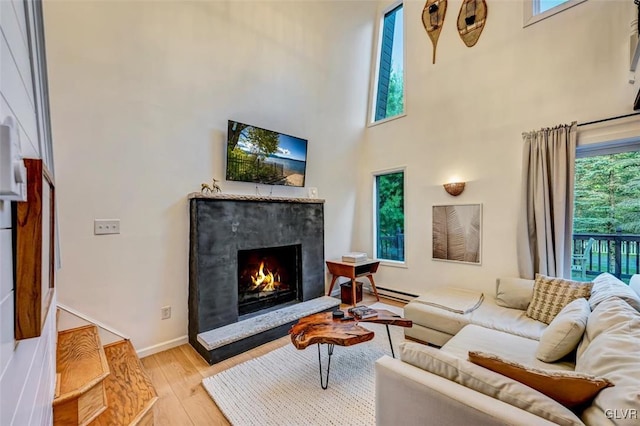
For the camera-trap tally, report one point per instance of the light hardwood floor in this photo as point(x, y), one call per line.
point(177, 376)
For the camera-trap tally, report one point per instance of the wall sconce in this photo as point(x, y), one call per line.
point(454, 188)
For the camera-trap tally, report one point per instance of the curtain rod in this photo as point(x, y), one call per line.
point(608, 119)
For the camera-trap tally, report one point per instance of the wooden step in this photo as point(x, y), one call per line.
point(81, 367)
point(130, 393)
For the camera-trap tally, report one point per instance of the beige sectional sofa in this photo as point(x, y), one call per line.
point(427, 385)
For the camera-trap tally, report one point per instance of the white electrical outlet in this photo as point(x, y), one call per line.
point(106, 226)
point(165, 312)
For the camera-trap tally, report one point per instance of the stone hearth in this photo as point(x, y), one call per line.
point(222, 225)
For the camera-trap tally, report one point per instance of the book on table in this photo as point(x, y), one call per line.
point(363, 312)
point(354, 257)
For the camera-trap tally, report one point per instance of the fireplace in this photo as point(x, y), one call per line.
point(268, 277)
point(230, 232)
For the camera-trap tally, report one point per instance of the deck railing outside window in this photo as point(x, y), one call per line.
point(392, 247)
point(617, 254)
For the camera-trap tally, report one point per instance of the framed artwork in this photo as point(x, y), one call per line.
point(34, 228)
point(457, 233)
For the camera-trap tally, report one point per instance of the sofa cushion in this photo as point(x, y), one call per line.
point(634, 283)
point(514, 293)
point(571, 389)
point(489, 314)
point(482, 380)
point(551, 294)
point(516, 348)
point(565, 331)
point(606, 285)
point(610, 349)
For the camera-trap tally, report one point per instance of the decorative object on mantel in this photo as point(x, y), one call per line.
point(471, 20)
point(433, 19)
point(210, 189)
point(454, 188)
point(313, 192)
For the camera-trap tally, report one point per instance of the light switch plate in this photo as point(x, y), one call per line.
point(106, 226)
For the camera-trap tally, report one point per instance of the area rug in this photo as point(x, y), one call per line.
point(283, 386)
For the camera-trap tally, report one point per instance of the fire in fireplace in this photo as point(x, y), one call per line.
point(268, 277)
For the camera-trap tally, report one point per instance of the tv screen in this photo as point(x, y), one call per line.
point(264, 156)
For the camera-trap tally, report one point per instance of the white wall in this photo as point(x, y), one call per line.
point(140, 97)
point(465, 116)
point(27, 370)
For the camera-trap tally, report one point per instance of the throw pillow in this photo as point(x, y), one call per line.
point(571, 389)
point(514, 293)
point(565, 331)
point(551, 294)
point(467, 374)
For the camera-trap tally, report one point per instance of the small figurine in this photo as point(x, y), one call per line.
point(210, 189)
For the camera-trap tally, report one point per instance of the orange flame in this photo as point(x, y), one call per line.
point(267, 281)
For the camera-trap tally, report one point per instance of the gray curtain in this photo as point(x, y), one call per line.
point(546, 206)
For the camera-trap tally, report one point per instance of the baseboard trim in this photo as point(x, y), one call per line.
point(92, 320)
point(169, 344)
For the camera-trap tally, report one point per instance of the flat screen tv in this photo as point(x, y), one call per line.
point(263, 156)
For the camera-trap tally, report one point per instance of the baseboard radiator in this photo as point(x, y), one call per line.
point(395, 294)
point(382, 291)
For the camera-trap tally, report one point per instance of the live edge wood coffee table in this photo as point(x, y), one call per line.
point(322, 328)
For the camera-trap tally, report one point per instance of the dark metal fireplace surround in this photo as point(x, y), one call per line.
point(231, 236)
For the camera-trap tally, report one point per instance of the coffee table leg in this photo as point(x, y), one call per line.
point(325, 383)
point(390, 343)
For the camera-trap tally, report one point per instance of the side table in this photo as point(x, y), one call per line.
point(352, 271)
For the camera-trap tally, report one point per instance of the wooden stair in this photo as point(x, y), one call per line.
point(81, 369)
point(99, 385)
point(130, 393)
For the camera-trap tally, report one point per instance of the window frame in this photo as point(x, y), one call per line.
point(597, 149)
point(34, 19)
point(531, 18)
point(375, 66)
point(374, 205)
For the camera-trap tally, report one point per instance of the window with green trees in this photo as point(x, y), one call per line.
point(389, 216)
point(389, 87)
point(607, 194)
point(607, 211)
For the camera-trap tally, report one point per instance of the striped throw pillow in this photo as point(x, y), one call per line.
point(551, 294)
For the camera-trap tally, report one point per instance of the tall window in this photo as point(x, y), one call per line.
point(537, 10)
point(389, 85)
point(606, 222)
point(544, 5)
point(389, 215)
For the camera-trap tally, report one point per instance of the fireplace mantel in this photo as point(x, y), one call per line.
point(239, 197)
